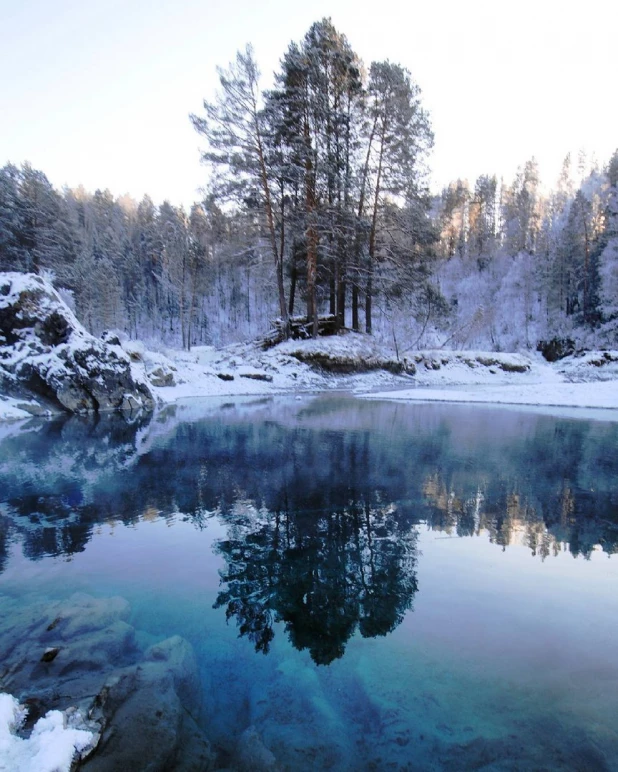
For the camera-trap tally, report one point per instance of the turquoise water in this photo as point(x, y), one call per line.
point(369, 585)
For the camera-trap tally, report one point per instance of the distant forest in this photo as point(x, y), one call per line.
point(318, 203)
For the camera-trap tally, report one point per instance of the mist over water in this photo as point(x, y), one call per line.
point(367, 584)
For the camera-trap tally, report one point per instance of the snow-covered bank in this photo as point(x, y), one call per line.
point(588, 381)
point(600, 394)
point(12, 409)
point(581, 381)
point(356, 363)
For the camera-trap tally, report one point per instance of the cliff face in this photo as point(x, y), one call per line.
point(46, 353)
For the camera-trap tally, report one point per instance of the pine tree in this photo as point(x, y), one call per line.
point(236, 129)
point(608, 247)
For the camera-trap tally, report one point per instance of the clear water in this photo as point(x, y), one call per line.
point(371, 586)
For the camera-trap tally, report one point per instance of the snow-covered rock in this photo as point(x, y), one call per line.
point(591, 366)
point(54, 743)
point(46, 352)
point(345, 354)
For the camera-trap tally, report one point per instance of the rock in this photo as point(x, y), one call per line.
point(345, 364)
point(50, 654)
point(161, 376)
point(80, 656)
point(34, 409)
point(514, 367)
point(175, 655)
point(252, 755)
point(144, 717)
point(148, 710)
point(556, 348)
point(45, 352)
point(111, 338)
point(225, 376)
point(257, 376)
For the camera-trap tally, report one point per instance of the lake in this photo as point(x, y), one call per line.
point(369, 585)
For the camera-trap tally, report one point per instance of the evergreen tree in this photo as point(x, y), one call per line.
point(236, 131)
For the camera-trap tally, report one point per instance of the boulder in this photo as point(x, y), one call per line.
point(161, 376)
point(80, 656)
point(252, 755)
point(45, 352)
point(556, 348)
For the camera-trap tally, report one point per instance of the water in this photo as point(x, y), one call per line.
point(369, 585)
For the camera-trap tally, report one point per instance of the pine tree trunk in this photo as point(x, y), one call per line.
point(368, 297)
point(278, 258)
point(293, 287)
point(355, 307)
point(312, 240)
point(333, 290)
point(341, 304)
point(372, 235)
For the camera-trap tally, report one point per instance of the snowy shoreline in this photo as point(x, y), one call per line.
point(357, 364)
point(583, 396)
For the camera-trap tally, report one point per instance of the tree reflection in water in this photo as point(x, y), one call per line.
point(321, 502)
point(323, 573)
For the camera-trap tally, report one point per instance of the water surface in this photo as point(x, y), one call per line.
point(370, 585)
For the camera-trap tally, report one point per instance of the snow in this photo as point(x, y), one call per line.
point(585, 381)
point(600, 394)
point(247, 370)
point(53, 743)
point(10, 409)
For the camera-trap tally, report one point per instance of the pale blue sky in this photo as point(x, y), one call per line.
point(99, 92)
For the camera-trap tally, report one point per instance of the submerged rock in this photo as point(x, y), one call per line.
point(252, 755)
point(46, 352)
point(141, 707)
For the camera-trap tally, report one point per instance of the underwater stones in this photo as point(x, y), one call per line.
point(81, 653)
point(83, 614)
point(70, 643)
point(143, 719)
point(252, 755)
point(175, 656)
point(147, 710)
point(50, 654)
point(45, 352)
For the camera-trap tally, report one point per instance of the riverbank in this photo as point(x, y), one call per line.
point(356, 363)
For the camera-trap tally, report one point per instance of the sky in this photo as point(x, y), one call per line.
point(99, 93)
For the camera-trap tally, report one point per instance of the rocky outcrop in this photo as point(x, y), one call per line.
point(556, 348)
point(345, 354)
point(80, 656)
point(45, 352)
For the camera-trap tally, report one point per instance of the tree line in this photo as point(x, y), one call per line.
point(318, 203)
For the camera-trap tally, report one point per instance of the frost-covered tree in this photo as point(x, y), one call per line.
point(521, 210)
point(11, 225)
point(608, 248)
point(236, 131)
point(483, 220)
point(453, 219)
point(398, 138)
point(318, 94)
